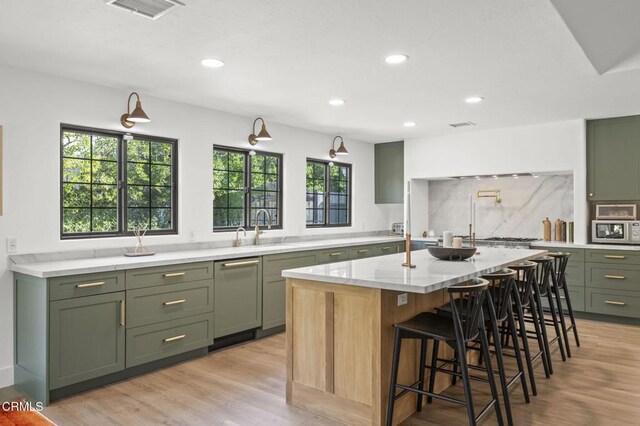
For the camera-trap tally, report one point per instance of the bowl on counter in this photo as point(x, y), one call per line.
point(450, 253)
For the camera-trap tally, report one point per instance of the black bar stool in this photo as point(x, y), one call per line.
point(526, 275)
point(497, 310)
point(560, 261)
point(465, 325)
point(542, 288)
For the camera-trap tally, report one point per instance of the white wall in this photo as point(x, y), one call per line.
point(552, 147)
point(33, 105)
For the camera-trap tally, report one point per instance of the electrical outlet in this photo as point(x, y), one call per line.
point(12, 245)
point(403, 299)
point(192, 236)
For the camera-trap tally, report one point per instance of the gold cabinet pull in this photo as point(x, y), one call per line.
point(88, 285)
point(242, 263)
point(615, 277)
point(386, 248)
point(122, 313)
point(335, 254)
point(174, 274)
point(174, 338)
point(613, 302)
point(174, 302)
point(614, 256)
point(363, 251)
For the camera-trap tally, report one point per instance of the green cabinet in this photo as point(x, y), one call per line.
point(87, 338)
point(238, 296)
point(389, 173)
point(613, 159)
point(361, 252)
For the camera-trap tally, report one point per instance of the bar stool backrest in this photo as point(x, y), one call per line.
point(524, 280)
point(500, 290)
point(560, 261)
point(467, 316)
point(543, 273)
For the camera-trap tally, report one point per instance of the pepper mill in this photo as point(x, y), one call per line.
point(558, 234)
point(547, 229)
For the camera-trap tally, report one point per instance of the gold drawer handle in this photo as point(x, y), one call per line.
point(612, 302)
point(88, 285)
point(174, 274)
point(363, 251)
point(174, 338)
point(243, 263)
point(174, 302)
point(611, 256)
point(615, 277)
point(386, 248)
point(122, 313)
point(335, 254)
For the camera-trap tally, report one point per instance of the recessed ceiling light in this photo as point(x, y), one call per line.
point(336, 102)
point(396, 59)
point(474, 100)
point(212, 63)
point(410, 124)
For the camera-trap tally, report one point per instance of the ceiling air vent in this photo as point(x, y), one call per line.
point(152, 9)
point(466, 123)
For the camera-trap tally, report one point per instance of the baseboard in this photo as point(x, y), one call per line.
point(6, 376)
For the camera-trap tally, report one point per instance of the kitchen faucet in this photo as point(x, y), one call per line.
point(257, 228)
point(238, 241)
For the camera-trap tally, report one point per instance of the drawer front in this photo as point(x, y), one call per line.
point(360, 252)
point(617, 257)
point(85, 285)
point(275, 264)
point(383, 249)
point(157, 341)
point(605, 276)
point(574, 274)
point(577, 254)
point(334, 255)
point(172, 274)
point(577, 296)
point(613, 302)
point(157, 304)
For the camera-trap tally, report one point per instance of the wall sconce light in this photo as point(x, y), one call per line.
point(341, 149)
point(262, 136)
point(130, 118)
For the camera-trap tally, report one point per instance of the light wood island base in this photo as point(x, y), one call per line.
point(340, 346)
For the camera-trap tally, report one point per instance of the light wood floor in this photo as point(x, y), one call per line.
point(245, 385)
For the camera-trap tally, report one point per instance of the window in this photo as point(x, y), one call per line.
point(242, 185)
point(328, 194)
point(108, 181)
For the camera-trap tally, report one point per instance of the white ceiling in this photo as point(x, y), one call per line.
point(286, 58)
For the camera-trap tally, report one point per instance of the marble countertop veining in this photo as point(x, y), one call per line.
point(430, 274)
point(562, 244)
point(64, 267)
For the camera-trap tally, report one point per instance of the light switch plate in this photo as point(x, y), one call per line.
point(403, 299)
point(12, 245)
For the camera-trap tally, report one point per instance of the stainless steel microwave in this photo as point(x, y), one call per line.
point(615, 231)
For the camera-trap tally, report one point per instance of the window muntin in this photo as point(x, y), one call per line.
point(328, 195)
point(95, 164)
point(243, 184)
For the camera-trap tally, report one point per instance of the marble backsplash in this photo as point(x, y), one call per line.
point(526, 201)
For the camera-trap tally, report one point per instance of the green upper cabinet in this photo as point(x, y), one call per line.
point(389, 171)
point(613, 159)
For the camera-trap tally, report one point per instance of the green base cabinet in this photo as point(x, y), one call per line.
point(86, 338)
point(238, 296)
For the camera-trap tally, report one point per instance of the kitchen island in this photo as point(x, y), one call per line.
point(340, 320)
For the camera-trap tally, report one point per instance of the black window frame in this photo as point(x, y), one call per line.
point(122, 185)
point(247, 188)
point(326, 207)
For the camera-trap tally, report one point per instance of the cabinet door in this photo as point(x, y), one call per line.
point(389, 173)
point(86, 338)
point(273, 302)
point(613, 159)
point(238, 296)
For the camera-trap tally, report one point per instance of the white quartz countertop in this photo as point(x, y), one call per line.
point(430, 274)
point(57, 268)
point(562, 244)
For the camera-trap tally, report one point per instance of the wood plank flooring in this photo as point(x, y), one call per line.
point(245, 385)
